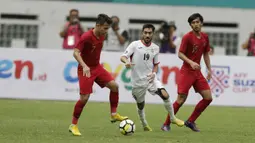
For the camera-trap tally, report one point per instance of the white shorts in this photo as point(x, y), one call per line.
point(140, 92)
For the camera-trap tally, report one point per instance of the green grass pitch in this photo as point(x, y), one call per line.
point(30, 121)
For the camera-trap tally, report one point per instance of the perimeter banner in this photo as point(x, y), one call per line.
point(52, 75)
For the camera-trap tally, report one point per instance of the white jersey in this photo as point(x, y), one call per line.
point(144, 58)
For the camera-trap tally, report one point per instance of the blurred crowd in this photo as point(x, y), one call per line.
point(115, 40)
point(249, 44)
point(118, 38)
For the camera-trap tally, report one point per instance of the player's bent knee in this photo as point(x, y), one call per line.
point(113, 86)
point(162, 93)
point(209, 98)
point(84, 97)
point(181, 98)
point(206, 94)
point(140, 106)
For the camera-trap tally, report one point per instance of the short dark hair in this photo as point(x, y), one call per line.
point(103, 18)
point(149, 26)
point(172, 24)
point(114, 16)
point(73, 10)
point(195, 16)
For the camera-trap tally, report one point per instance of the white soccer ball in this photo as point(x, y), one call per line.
point(127, 127)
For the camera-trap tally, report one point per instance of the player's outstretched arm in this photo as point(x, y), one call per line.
point(128, 52)
point(124, 59)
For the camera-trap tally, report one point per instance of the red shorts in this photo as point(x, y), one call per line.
point(97, 74)
point(188, 78)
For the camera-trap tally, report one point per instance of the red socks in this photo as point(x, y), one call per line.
point(200, 107)
point(114, 101)
point(77, 111)
point(176, 108)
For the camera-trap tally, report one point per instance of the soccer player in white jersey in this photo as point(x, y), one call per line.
point(144, 62)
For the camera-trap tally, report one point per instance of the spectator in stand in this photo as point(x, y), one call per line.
point(116, 38)
point(170, 42)
point(250, 44)
point(174, 40)
point(161, 36)
point(72, 30)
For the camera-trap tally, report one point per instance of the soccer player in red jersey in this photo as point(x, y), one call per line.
point(87, 53)
point(194, 44)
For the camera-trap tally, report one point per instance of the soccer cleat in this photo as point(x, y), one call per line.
point(74, 130)
point(192, 126)
point(118, 117)
point(147, 128)
point(178, 122)
point(166, 128)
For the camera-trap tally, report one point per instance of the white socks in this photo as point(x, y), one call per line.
point(169, 107)
point(142, 117)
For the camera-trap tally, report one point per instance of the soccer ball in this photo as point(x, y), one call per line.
point(127, 127)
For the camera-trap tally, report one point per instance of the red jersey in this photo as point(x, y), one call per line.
point(72, 37)
point(90, 47)
point(194, 47)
